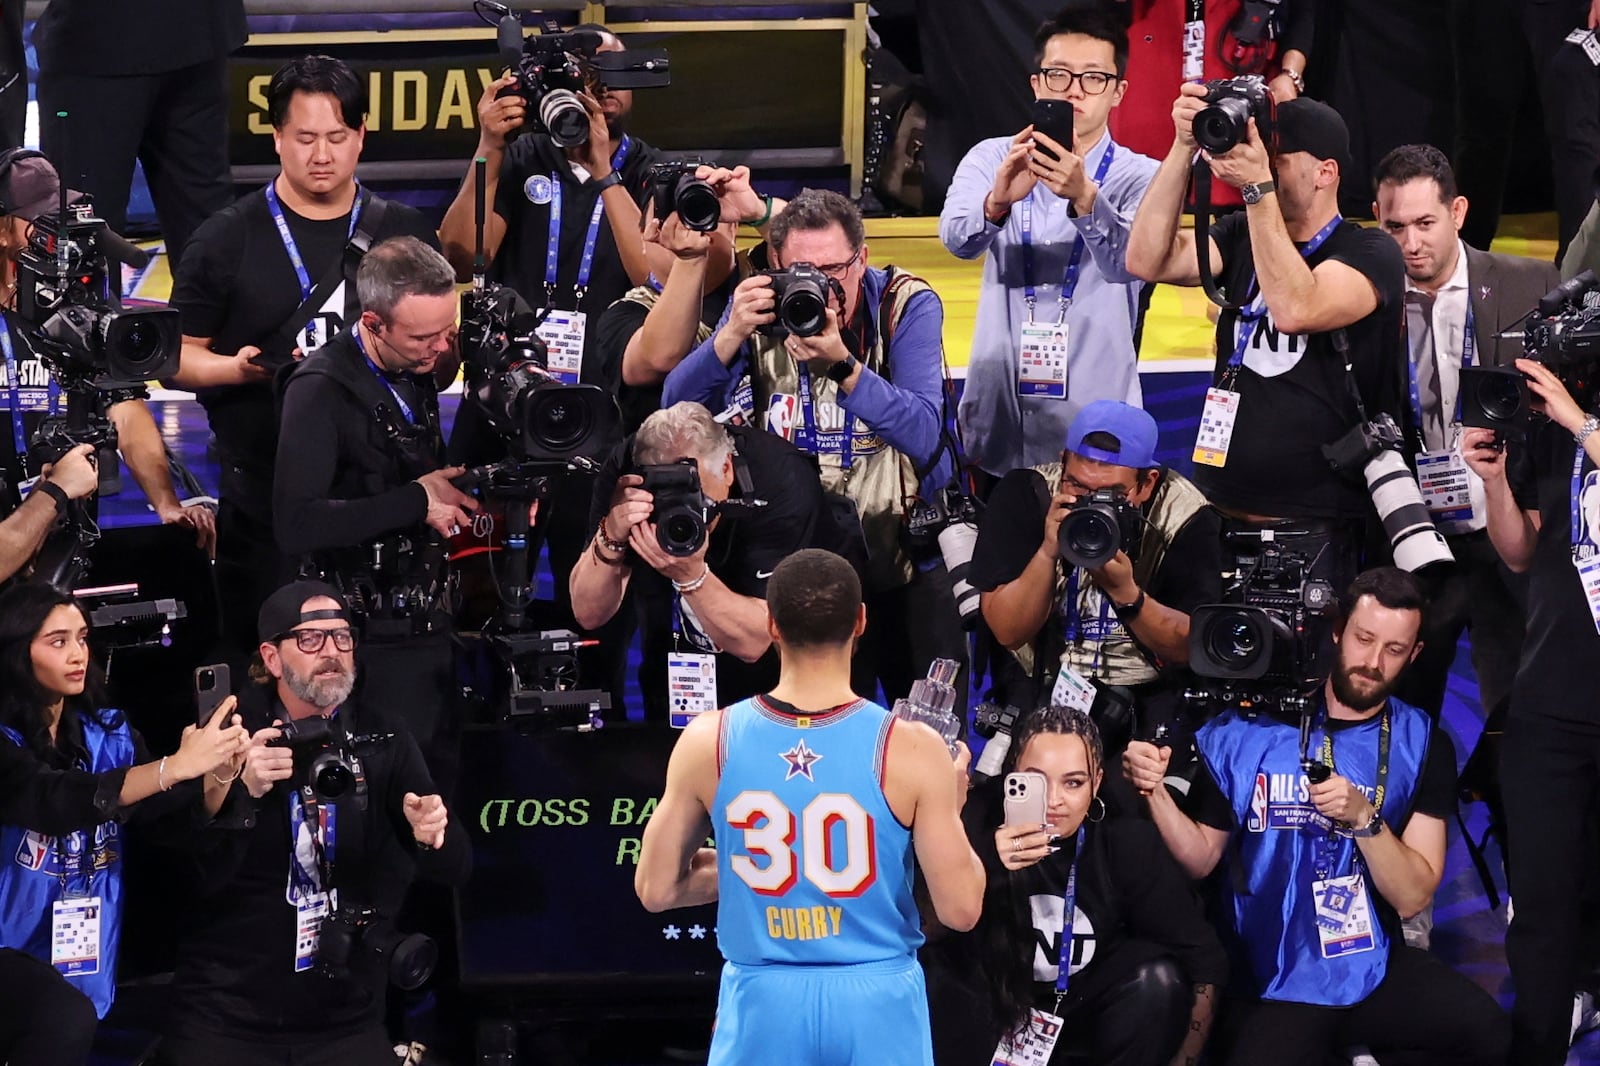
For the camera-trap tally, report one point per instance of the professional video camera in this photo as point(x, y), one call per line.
point(674, 188)
point(532, 680)
point(1230, 105)
point(1097, 526)
point(1267, 646)
point(800, 300)
point(1376, 450)
point(553, 68)
point(327, 760)
point(351, 932)
point(1563, 333)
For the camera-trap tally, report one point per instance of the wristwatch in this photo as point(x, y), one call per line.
point(602, 184)
point(1590, 425)
point(1253, 193)
point(1373, 827)
point(841, 370)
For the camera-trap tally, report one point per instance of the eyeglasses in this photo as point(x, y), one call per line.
point(311, 641)
point(1059, 80)
point(837, 271)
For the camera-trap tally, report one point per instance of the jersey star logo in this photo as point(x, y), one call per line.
point(800, 759)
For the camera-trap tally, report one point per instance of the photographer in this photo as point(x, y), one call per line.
point(717, 592)
point(22, 533)
point(361, 488)
point(1051, 216)
point(258, 979)
point(74, 771)
point(267, 280)
point(30, 189)
point(863, 391)
point(1144, 966)
point(1124, 623)
point(1332, 833)
point(1543, 523)
point(1307, 279)
point(1459, 302)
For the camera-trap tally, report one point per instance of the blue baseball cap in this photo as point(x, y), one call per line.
point(1134, 429)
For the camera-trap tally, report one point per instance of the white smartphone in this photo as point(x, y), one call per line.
point(1027, 798)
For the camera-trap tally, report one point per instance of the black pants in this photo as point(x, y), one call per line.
point(1489, 110)
point(368, 1048)
point(249, 568)
point(1569, 91)
point(1550, 778)
point(907, 628)
point(44, 1020)
point(1480, 594)
point(176, 124)
point(1422, 1014)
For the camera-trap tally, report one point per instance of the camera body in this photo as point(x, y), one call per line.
point(1376, 450)
point(327, 760)
point(504, 368)
point(800, 300)
point(681, 510)
point(1230, 105)
point(1097, 526)
point(675, 189)
point(554, 68)
point(1268, 645)
point(1563, 333)
point(1497, 398)
point(354, 931)
point(994, 723)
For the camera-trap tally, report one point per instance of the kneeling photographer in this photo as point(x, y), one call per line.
point(1088, 569)
point(711, 509)
point(298, 877)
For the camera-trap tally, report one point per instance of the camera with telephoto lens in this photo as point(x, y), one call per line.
point(800, 300)
point(994, 723)
point(542, 419)
point(681, 511)
point(327, 760)
point(1268, 645)
point(948, 522)
point(1497, 398)
point(1376, 450)
point(1097, 526)
point(1231, 103)
point(674, 188)
point(552, 69)
point(354, 934)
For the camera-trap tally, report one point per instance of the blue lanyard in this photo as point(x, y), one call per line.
point(1580, 551)
point(552, 254)
point(405, 408)
point(1327, 847)
point(1074, 623)
point(18, 437)
point(1469, 347)
point(808, 438)
point(293, 249)
point(1069, 908)
point(1251, 316)
point(1069, 282)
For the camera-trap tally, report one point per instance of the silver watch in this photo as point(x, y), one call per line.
point(1590, 425)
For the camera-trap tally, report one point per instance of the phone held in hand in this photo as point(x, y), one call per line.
point(1027, 797)
point(1053, 118)
point(212, 685)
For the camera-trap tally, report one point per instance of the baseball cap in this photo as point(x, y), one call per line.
point(284, 608)
point(1135, 432)
point(1313, 127)
point(30, 188)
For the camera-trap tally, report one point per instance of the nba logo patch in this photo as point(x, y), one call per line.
point(33, 851)
point(537, 189)
point(780, 415)
point(1256, 821)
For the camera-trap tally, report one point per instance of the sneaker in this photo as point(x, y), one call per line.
point(1360, 1056)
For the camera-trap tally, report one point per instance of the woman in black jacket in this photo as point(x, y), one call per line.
point(1142, 960)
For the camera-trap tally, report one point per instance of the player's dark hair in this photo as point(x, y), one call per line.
point(814, 597)
point(317, 74)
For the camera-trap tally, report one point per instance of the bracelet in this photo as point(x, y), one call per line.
point(692, 586)
point(765, 217)
point(618, 546)
point(1297, 78)
point(161, 774)
point(1131, 611)
point(227, 780)
point(600, 553)
point(56, 493)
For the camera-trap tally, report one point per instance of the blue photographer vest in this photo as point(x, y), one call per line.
point(1267, 893)
point(37, 870)
point(812, 865)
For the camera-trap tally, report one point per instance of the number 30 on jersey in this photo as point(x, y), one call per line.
point(835, 844)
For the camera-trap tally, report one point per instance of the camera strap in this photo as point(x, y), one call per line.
point(591, 237)
point(1069, 280)
point(19, 437)
point(295, 259)
point(1252, 315)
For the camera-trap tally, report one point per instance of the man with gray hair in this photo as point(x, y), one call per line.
point(717, 590)
point(361, 492)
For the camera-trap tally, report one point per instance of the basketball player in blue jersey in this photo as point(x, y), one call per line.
point(817, 799)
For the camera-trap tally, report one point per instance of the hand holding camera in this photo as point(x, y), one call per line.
point(1339, 801)
point(499, 114)
point(754, 305)
point(630, 506)
point(1060, 504)
point(265, 763)
point(594, 153)
point(448, 507)
point(75, 473)
point(826, 347)
point(1551, 396)
point(684, 242)
point(739, 200)
point(1190, 102)
point(1145, 765)
point(1246, 163)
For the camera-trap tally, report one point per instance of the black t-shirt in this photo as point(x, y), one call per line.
point(1294, 393)
point(616, 328)
point(745, 547)
point(1562, 645)
point(528, 175)
point(237, 285)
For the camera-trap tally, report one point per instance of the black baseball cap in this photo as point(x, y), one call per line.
point(1313, 127)
point(30, 188)
point(284, 609)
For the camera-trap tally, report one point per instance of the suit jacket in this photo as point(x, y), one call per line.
point(1503, 289)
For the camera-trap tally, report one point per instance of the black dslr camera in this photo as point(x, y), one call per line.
point(673, 187)
point(800, 300)
point(327, 760)
point(1563, 333)
point(1230, 105)
point(994, 724)
point(1097, 526)
point(553, 68)
point(681, 511)
point(352, 932)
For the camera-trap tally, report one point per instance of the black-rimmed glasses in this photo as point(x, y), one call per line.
point(311, 641)
point(1059, 80)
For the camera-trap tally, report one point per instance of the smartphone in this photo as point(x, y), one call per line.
point(212, 685)
point(1053, 118)
point(1027, 798)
